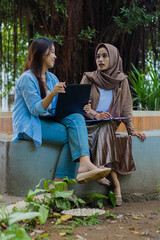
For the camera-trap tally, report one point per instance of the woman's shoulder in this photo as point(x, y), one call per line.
point(27, 79)
point(52, 77)
point(27, 75)
point(87, 76)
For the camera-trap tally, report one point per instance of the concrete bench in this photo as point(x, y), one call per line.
point(147, 175)
point(22, 166)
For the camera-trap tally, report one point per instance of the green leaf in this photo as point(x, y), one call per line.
point(15, 232)
point(71, 181)
point(43, 214)
point(3, 212)
point(113, 198)
point(1, 198)
point(96, 196)
point(64, 194)
point(7, 236)
point(32, 194)
point(16, 217)
point(46, 185)
point(100, 203)
point(63, 204)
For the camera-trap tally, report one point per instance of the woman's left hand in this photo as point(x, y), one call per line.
point(87, 108)
point(140, 135)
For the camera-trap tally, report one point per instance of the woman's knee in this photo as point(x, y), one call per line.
point(77, 117)
point(55, 132)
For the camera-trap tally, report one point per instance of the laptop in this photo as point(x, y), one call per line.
point(72, 101)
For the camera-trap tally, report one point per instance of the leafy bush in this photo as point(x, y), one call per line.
point(146, 88)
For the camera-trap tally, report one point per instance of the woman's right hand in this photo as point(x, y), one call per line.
point(103, 115)
point(59, 88)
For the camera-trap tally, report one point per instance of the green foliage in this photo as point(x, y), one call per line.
point(11, 64)
point(59, 199)
point(4, 217)
point(86, 221)
point(61, 7)
point(110, 215)
point(87, 34)
point(39, 209)
point(131, 18)
point(113, 198)
point(57, 38)
point(14, 232)
point(100, 197)
point(16, 217)
point(146, 88)
point(1, 198)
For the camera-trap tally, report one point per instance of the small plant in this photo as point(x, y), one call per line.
point(90, 220)
point(14, 232)
point(87, 34)
point(61, 7)
point(100, 197)
point(133, 17)
point(110, 215)
point(1, 198)
point(146, 88)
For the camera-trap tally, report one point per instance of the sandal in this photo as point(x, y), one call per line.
point(92, 175)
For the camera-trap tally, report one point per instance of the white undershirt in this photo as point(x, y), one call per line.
point(50, 105)
point(104, 100)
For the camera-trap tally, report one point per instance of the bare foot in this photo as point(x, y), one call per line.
point(104, 181)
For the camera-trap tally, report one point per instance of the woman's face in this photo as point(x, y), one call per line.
point(49, 58)
point(102, 59)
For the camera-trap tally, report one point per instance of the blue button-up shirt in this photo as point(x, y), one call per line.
point(28, 106)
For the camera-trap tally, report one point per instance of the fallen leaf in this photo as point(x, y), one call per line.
point(63, 218)
point(135, 232)
point(62, 234)
point(120, 227)
point(113, 221)
point(142, 215)
point(132, 228)
point(136, 218)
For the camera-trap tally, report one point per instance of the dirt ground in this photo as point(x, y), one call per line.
point(134, 220)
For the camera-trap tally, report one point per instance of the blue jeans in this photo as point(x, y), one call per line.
point(71, 133)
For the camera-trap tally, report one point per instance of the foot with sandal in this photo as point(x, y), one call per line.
point(116, 185)
point(88, 171)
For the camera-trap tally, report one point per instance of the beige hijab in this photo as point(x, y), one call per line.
point(110, 78)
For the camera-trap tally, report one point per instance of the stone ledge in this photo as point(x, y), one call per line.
point(22, 166)
point(143, 181)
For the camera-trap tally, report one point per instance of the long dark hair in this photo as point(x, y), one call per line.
point(34, 60)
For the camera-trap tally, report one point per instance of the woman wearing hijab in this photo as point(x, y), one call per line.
point(110, 97)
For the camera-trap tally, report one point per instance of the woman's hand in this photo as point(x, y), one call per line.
point(103, 115)
point(59, 88)
point(140, 135)
point(87, 108)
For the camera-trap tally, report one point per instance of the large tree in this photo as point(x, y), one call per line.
point(78, 26)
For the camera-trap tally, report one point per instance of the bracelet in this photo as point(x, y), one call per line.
point(95, 115)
